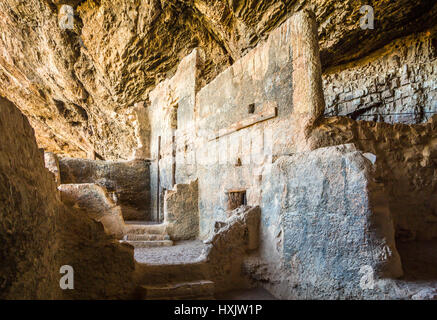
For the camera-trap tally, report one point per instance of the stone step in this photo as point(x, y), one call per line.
point(157, 274)
point(146, 237)
point(146, 228)
point(201, 289)
point(148, 244)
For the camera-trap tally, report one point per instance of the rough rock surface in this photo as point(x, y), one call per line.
point(95, 202)
point(395, 84)
point(227, 247)
point(406, 163)
point(128, 182)
point(79, 87)
point(51, 162)
point(181, 252)
point(38, 234)
point(426, 294)
point(181, 211)
point(325, 200)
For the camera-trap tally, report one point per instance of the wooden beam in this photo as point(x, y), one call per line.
point(269, 112)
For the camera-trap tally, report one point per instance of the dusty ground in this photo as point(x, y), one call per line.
point(181, 252)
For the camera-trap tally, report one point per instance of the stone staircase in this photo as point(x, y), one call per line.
point(194, 290)
point(146, 235)
point(175, 279)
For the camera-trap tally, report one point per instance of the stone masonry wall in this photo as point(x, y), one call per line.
point(396, 84)
point(406, 163)
point(181, 210)
point(127, 181)
point(253, 112)
point(333, 224)
point(38, 234)
point(171, 116)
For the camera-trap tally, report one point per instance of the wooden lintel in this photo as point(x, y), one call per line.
point(235, 190)
point(269, 113)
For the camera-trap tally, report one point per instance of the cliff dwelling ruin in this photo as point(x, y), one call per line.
point(212, 149)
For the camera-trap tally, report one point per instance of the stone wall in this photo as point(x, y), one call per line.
point(227, 247)
point(181, 211)
point(253, 112)
point(95, 202)
point(331, 221)
point(171, 116)
point(406, 163)
point(38, 234)
point(127, 181)
point(395, 84)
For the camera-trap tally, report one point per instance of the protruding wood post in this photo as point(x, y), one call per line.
point(158, 185)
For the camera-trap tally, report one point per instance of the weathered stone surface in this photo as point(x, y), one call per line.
point(39, 234)
point(398, 83)
point(226, 248)
point(181, 211)
point(79, 86)
point(95, 202)
point(28, 206)
point(172, 131)
point(326, 201)
point(406, 163)
point(285, 72)
point(426, 294)
point(128, 182)
point(148, 243)
point(51, 162)
point(202, 289)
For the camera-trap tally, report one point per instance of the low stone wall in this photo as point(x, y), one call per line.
point(95, 203)
point(39, 234)
point(228, 246)
point(127, 181)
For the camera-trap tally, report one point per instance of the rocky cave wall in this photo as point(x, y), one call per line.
point(80, 87)
point(39, 234)
point(395, 84)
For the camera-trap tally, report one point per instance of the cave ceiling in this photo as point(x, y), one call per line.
point(78, 87)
